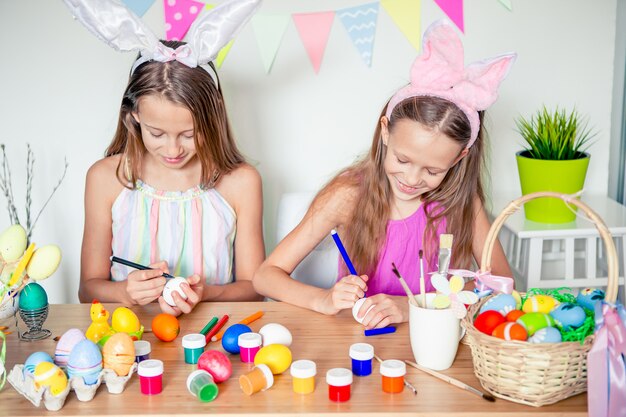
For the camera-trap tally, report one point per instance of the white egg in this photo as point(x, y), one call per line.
point(274, 333)
point(13, 243)
point(44, 262)
point(357, 307)
point(171, 286)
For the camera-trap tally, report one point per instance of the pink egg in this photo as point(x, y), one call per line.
point(66, 343)
point(217, 364)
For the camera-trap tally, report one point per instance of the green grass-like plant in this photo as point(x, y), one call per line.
point(555, 135)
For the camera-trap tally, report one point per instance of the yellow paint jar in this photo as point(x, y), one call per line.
point(303, 373)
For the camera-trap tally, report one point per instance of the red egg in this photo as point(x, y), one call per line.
point(488, 320)
point(217, 364)
point(510, 331)
point(513, 315)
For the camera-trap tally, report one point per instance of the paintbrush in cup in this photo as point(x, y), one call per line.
point(408, 291)
point(422, 282)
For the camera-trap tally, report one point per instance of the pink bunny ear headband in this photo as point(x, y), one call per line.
point(119, 28)
point(440, 72)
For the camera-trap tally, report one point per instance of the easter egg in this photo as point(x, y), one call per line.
point(230, 339)
point(217, 364)
point(66, 343)
point(85, 361)
point(535, 321)
point(276, 357)
point(546, 335)
point(33, 360)
point(486, 322)
point(44, 262)
point(125, 320)
point(518, 299)
point(49, 375)
point(13, 243)
point(356, 307)
point(502, 303)
point(539, 304)
point(8, 305)
point(33, 297)
point(118, 353)
point(588, 297)
point(165, 327)
point(274, 333)
point(172, 286)
point(510, 331)
point(568, 316)
point(513, 315)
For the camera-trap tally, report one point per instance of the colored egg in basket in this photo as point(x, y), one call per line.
point(510, 331)
point(85, 361)
point(118, 353)
point(588, 297)
point(49, 375)
point(33, 360)
point(276, 357)
point(502, 303)
point(274, 333)
point(514, 315)
point(486, 322)
point(546, 335)
point(535, 321)
point(539, 304)
point(568, 316)
point(66, 343)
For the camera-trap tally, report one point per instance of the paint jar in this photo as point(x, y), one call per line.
point(201, 384)
point(362, 355)
point(150, 374)
point(193, 344)
point(303, 373)
point(249, 344)
point(258, 379)
point(393, 372)
point(142, 350)
point(339, 381)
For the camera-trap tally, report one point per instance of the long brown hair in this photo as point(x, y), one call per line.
point(453, 199)
point(192, 88)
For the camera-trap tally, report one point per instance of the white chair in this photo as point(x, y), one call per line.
point(319, 268)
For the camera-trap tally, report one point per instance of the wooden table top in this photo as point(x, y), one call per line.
point(323, 339)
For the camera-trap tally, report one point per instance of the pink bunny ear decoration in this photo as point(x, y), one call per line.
point(439, 71)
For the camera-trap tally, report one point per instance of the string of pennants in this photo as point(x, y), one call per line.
point(313, 28)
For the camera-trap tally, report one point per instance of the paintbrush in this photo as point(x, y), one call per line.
point(408, 291)
point(453, 381)
point(406, 383)
point(445, 253)
point(422, 282)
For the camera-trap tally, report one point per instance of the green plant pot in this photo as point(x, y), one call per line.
point(549, 175)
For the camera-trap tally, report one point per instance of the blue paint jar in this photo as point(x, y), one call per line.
point(194, 347)
point(142, 350)
point(362, 355)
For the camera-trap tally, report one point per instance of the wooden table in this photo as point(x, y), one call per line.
point(323, 339)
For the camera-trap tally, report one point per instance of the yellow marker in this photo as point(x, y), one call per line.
point(21, 266)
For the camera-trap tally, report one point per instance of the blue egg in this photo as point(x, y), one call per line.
point(33, 360)
point(546, 335)
point(85, 361)
point(502, 303)
point(568, 316)
point(230, 340)
point(588, 297)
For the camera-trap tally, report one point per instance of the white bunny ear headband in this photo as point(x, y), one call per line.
point(119, 28)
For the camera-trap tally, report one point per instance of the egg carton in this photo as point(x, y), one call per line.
point(25, 385)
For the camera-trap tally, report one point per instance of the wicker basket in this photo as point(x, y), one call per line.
point(527, 373)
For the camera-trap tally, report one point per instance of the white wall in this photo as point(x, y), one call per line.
point(60, 89)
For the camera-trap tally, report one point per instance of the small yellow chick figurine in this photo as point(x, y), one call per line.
point(99, 326)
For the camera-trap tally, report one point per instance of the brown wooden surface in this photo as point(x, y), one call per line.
point(323, 339)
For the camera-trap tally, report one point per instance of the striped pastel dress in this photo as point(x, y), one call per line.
point(192, 230)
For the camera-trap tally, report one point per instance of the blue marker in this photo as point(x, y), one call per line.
point(343, 252)
point(383, 330)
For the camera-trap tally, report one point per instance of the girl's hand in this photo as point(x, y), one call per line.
point(386, 310)
point(193, 289)
point(344, 294)
point(145, 286)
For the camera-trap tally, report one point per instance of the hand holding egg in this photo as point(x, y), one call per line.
point(181, 295)
point(146, 285)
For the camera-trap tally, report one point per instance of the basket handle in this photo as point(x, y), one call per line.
point(513, 206)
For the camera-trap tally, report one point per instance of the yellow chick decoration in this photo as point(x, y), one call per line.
point(99, 326)
point(49, 375)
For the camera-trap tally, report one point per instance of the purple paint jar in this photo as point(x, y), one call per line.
point(249, 344)
point(142, 350)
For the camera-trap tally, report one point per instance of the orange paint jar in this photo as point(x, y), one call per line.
point(258, 379)
point(393, 372)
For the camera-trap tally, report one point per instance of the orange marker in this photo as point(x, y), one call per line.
point(246, 321)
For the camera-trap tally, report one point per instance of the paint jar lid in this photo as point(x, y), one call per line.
point(201, 384)
point(150, 367)
point(303, 369)
point(339, 377)
point(194, 341)
point(249, 340)
point(362, 351)
point(269, 376)
point(142, 347)
point(393, 368)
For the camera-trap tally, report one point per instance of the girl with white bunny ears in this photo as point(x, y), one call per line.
point(173, 190)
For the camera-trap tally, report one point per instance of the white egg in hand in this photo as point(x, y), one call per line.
point(357, 307)
point(171, 286)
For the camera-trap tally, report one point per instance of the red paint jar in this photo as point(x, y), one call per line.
point(150, 376)
point(339, 381)
point(393, 372)
point(249, 344)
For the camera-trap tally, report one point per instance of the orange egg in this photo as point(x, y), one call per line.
point(165, 327)
point(513, 315)
point(510, 331)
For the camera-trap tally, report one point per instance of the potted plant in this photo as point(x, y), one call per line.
point(555, 159)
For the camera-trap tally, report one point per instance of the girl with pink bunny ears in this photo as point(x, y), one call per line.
point(420, 179)
point(173, 191)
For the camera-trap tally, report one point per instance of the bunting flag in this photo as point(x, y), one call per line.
point(314, 29)
point(406, 15)
point(269, 31)
point(179, 15)
point(360, 22)
point(139, 7)
point(454, 10)
point(507, 3)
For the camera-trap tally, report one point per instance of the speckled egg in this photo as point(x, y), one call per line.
point(510, 331)
point(125, 320)
point(568, 316)
point(85, 361)
point(49, 375)
point(502, 303)
point(44, 262)
point(588, 297)
point(535, 321)
point(66, 343)
point(119, 353)
point(276, 357)
point(274, 333)
point(539, 304)
point(33, 297)
point(487, 321)
point(33, 360)
point(546, 335)
point(13, 243)
point(230, 339)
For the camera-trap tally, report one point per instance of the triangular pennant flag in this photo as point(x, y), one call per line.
point(454, 10)
point(139, 7)
point(507, 3)
point(179, 15)
point(269, 31)
point(360, 22)
point(406, 14)
point(314, 29)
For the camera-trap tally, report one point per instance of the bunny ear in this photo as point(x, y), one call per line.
point(485, 77)
point(213, 29)
point(113, 24)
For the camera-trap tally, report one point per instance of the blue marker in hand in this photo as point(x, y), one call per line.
point(343, 252)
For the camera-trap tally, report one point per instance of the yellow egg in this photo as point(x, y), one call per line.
point(49, 375)
point(124, 320)
point(13, 243)
point(539, 304)
point(276, 357)
point(118, 353)
point(44, 262)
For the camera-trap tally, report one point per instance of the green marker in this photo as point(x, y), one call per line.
point(209, 326)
